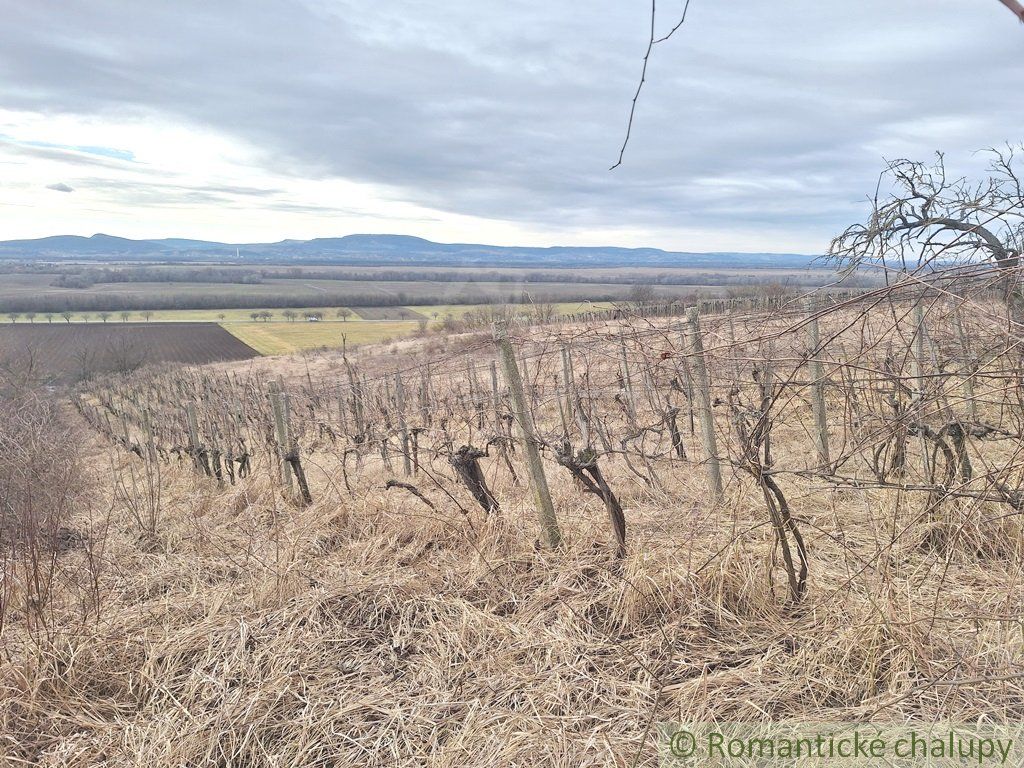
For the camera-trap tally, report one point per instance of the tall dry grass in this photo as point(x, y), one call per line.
point(371, 630)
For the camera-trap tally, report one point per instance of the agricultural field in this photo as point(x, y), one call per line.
point(356, 314)
point(283, 338)
point(61, 352)
point(214, 315)
point(36, 292)
point(279, 335)
point(440, 311)
point(64, 288)
point(389, 313)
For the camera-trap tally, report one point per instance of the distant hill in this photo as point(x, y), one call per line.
point(378, 250)
point(73, 246)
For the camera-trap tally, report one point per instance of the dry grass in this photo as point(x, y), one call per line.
point(369, 629)
point(364, 631)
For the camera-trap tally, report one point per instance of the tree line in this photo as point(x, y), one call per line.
point(113, 303)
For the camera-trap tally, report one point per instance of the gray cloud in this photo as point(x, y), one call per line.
point(756, 117)
point(60, 187)
point(166, 194)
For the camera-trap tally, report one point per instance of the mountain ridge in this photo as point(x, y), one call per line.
point(380, 250)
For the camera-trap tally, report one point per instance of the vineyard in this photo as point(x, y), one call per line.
point(871, 394)
point(534, 543)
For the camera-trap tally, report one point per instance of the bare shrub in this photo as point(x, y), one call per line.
point(139, 490)
point(124, 355)
point(41, 484)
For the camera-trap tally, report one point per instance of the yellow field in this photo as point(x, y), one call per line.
point(280, 338)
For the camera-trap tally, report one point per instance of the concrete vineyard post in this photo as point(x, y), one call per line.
point(147, 425)
point(817, 375)
point(280, 432)
point(569, 382)
point(917, 360)
point(627, 380)
point(917, 369)
point(702, 404)
point(403, 429)
point(967, 364)
point(342, 417)
point(194, 446)
point(573, 395)
point(357, 399)
point(292, 455)
point(499, 424)
point(496, 402)
point(550, 533)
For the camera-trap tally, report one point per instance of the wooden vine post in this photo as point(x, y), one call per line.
point(702, 403)
point(550, 533)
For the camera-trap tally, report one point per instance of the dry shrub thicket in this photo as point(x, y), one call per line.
point(343, 564)
point(42, 485)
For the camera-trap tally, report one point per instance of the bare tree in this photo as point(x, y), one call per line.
point(67, 316)
point(86, 362)
point(929, 221)
point(31, 316)
point(125, 316)
point(642, 293)
point(19, 371)
point(344, 314)
point(544, 313)
point(104, 316)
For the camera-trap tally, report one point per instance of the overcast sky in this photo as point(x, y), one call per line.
point(763, 126)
